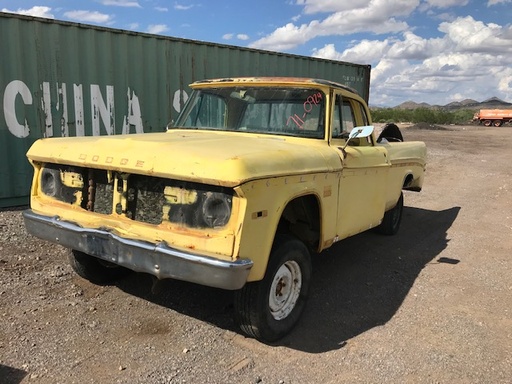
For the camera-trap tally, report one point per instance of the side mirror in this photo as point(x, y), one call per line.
point(359, 132)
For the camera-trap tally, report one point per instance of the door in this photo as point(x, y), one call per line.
point(365, 168)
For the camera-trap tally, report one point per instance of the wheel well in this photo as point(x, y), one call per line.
point(408, 180)
point(408, 183)
point(301, 218)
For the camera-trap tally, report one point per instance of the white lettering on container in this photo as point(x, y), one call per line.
point(60, 105)
point(79, 109)
point(100, 109)
point(134, 117)
point(52, 112)
point(63, 103)
point(180, 98)
point(12, 90)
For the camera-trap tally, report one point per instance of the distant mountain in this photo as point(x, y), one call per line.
point(468, 102)
point(491, 103)
point(412, 105)
point(461, 104)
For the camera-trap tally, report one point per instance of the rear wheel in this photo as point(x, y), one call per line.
point(497, 123)
point(487, 123)
point(95, 270)
point(392, 218)
point(269, 309)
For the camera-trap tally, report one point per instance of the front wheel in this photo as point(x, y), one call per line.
point(93, 269)
point(269, 309)
point(392, 218)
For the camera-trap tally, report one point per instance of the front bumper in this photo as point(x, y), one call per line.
point(159, 259)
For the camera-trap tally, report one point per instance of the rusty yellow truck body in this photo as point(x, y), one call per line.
point(256, 175)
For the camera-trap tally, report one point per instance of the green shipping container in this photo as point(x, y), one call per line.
point(66, 79)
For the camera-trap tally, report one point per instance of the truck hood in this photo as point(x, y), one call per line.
point(219, 158)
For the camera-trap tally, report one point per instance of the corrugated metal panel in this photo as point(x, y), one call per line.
point(66, 79)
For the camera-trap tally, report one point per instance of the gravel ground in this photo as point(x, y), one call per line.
point(432, 304)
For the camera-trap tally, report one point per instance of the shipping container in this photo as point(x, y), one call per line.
point(66, 79)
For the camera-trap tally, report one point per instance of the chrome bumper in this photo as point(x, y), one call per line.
point(159, 259)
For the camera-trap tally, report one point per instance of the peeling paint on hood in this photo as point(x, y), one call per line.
point(219, 158)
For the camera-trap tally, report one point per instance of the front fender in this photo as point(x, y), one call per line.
point(266, 201)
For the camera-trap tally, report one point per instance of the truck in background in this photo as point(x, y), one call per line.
point(496, 117)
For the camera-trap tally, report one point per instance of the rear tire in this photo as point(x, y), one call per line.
point(95, 270)
point(269, 309)
point(392, 218)
point(497, 123)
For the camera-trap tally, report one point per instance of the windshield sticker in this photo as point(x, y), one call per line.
point(308, 105)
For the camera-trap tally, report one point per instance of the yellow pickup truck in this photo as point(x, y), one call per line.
point(255, 177)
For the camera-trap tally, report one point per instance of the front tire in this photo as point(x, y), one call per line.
point(269, 309)
point(93, 269)
point(392, 218)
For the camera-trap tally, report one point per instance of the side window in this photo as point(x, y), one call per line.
point(347, 115)
point(336, 118)
point(343, 119)
point(366, 121)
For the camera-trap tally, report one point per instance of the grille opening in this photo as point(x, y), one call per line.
point(147, 199)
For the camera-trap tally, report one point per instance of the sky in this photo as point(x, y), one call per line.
point(432, 51)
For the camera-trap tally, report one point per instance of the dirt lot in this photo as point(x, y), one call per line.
point(432, 304)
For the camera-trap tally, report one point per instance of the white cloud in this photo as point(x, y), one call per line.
point(327, 52)
point(457, 97)
point(469, 60)
point(239, 36)
point(318, 6)
point(444, 16)
point(364, 52)
point(157, 29)
point(495, 2)
point(469, 35)
point(162, 9)
point(89, 16)
point(133, 26)
point(286, 37)
point(377, 16)
point(414, 47)
point(180, 7)
point(505, 83)
point(37, 11)
point(121, 3)
point(388, 69)
point(447, 3)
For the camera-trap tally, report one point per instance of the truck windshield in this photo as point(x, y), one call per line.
point(277, 111)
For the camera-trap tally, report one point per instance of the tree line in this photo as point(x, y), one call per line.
point(422, 115)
